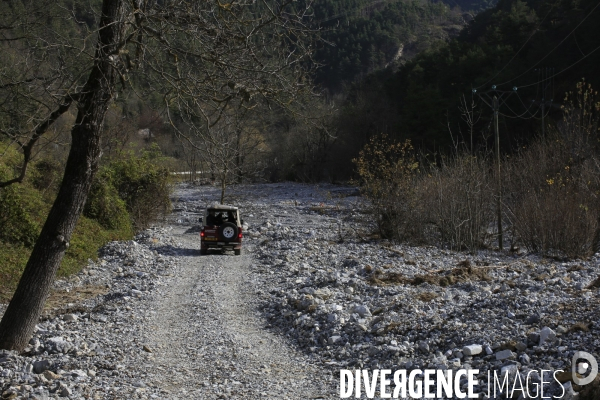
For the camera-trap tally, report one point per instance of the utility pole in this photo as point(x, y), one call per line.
point(546, 81)
point(494, 99)
point(496, 107)
point(543, 124)
point(544, 71)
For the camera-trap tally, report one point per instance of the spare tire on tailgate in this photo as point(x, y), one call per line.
point(227, 232)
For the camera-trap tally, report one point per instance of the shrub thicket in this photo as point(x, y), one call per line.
point(554, 199)
point(142, 184)
point(386, 171)
point(553, 203)
point(105, 206)
point(458, 196)
point(16, 224)
point(550, 199)
point(114, 210)
point(46, 175)
point(449, 203)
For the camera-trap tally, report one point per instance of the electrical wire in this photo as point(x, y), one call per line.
point(551, 51)
point(565, 69)
point(520, 116)
point(518, 51)
point(524, 105)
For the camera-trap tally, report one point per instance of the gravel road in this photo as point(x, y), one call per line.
point(210, 338)
point(151, 318)
point(313, 293)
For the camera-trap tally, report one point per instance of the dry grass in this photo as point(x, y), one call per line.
point(321, 210)
point(509, 345)
point(391, 278)
point(552, 199)
point(550, 190)
point(63, 302)
point(427, 296)
point(465, 272)
point(580, 326)
point(595, 284)
point(458, 198)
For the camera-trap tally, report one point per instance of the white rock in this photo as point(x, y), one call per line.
point(505, 355)
point(547, 335)
point(472, 350)
point(362, 310)
point(454, 362)
point(78, 373)
point(509, 369)
point(562, 330)
point(334, 339)
point(322, 293)
point(70, 318)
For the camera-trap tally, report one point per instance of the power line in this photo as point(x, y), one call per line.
point(565, 69)
point(544, 89)
point(544, 76)
point(520, 116)
point(522, 47)
point(551, 51)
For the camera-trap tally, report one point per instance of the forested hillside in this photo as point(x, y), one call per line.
point(539, 48)
point(360, 37)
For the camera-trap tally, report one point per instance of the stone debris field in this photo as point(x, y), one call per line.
point(312, 293)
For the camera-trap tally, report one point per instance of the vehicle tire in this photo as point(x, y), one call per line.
point(237, 252)
point(203, 252)
point(228, 232)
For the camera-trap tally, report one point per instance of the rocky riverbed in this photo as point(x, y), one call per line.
point(312, 294)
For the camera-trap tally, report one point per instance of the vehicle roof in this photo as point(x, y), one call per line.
point(223, 207)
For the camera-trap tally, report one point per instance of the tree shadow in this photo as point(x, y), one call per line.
point(193, 229)
point(168, 250)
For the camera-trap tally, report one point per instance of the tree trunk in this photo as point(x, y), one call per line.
point(238, 156)
point(223, 185)
point(27, 304)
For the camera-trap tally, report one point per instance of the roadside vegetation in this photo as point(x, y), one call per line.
point(550, 199)
point(130, 192)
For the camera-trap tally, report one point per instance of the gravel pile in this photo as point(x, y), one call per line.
point(355, 303)
point(312, 294)
point(92, 348)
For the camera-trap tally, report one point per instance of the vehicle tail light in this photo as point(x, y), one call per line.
point(240, 234)
point(202, 233)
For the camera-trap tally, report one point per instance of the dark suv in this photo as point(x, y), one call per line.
point(222, 229)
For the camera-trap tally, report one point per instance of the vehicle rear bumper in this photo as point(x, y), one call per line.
point(205, 245)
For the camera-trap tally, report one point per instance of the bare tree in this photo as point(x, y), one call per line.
point(301, 141)
point(230, 149)
point(469, 116)
point(203, 57)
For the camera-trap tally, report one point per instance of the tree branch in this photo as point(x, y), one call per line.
point(37, 134)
